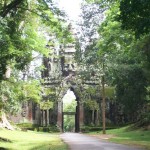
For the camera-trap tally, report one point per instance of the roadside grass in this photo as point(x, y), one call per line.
point(124, 135)
point(30, 140)
point(131, 137)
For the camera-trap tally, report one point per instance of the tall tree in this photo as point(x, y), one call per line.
point(23, 26)
point(92, 16)
point(134, 14)
point(20, 37)
point(120, 46)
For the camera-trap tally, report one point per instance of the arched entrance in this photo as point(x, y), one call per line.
point(69, 112)
point(78, 113)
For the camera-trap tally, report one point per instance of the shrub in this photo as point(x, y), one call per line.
point(86, 129)
point(48, 129)
point(27, 126)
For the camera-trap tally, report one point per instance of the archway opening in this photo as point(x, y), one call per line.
point(69, 111)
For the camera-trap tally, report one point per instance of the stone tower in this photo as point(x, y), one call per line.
point(60, 71)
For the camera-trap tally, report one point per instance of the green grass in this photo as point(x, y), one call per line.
point(133, 137)
point(19, 140)
point(138, 137)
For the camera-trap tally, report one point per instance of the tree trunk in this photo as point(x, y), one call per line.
point(4, 123)
point(103, 105)
point(9, 7)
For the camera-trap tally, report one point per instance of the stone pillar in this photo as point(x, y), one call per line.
point(77, 126)
point(43, 117)
point(59, 115)
point(97, 117)
point(47, 117)
point(81, 114)
point(30, 111)
point(79, 118)
point(38, 115)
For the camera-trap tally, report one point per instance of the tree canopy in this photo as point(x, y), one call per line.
point(25, 29)
point(134, 14)
point(20, 36)
point(122, 47)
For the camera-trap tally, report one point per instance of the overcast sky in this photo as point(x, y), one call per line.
point(71, 7)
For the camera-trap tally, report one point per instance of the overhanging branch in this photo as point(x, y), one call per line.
point(9, 7)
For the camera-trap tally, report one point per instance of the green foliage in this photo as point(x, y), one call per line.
point(32, 90)
point(24, 27)
point(121, 58)
point(13, 92)
point(135, 15)
point(26, 125)
point(148, 94)
point(91, 104)
point(51, 129)
point(91, 90)
point(110, 92)
point(130, 88)
point(10, 94)
point(46, 105)
point(35, 127)
point(69, 123)
point(123, 63)
point(92, 129)
point(114, 40)
point(69, 120)
point(21, 42)
point(20, 36)
point(144, 119)
point(70, 106)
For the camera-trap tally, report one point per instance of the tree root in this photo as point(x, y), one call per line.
point(5, 140)
point(4, 123)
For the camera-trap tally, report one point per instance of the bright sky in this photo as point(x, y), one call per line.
point(69, 97)
point(71, 7)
